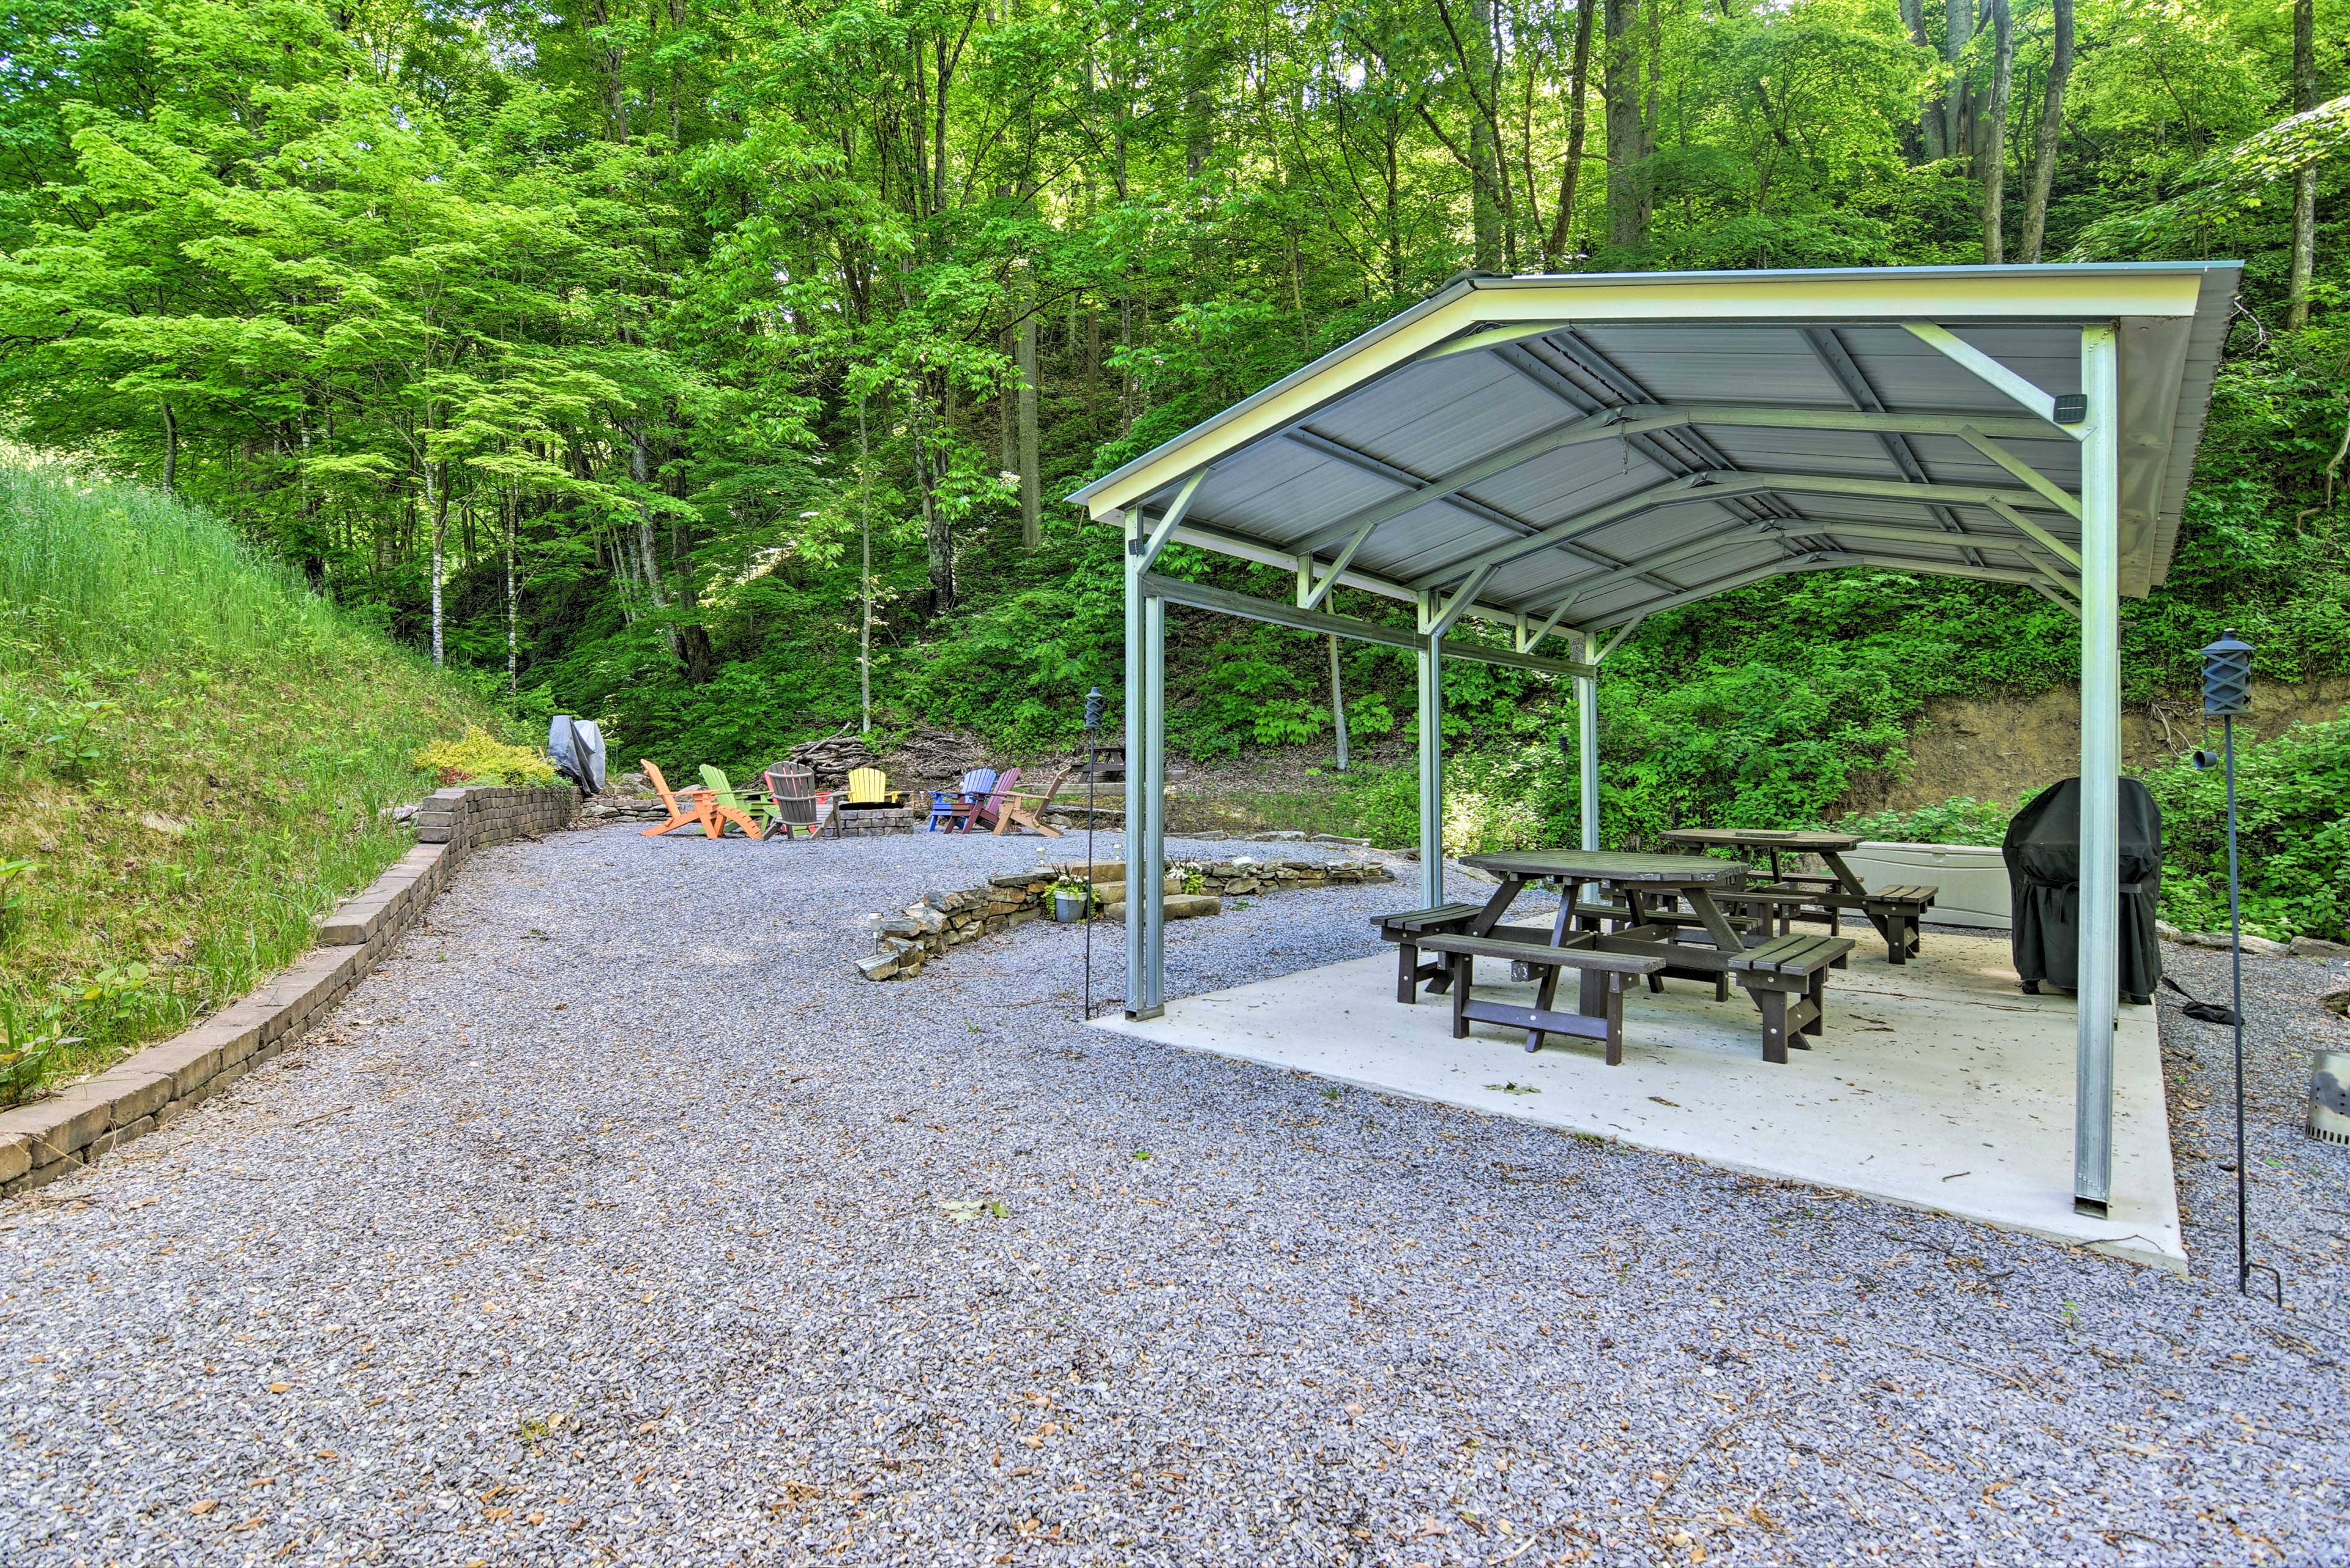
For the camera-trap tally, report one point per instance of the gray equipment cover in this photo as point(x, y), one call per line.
point(2043, 869)
point(577, 748)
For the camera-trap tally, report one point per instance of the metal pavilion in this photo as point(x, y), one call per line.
point(1562, 456)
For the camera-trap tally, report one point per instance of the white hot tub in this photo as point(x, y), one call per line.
point(1972, 878)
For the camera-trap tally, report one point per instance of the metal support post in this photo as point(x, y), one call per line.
point(1587, 747)
point(1432, 760)
point(1146, 650)
point(2096, 1000)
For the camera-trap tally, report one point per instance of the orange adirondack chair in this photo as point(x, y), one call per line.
point(699, 809)
point(1028, 810)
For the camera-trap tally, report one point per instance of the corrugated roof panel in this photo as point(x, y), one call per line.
point(1710, 361)
point(1444, 415)
point(1416, 422)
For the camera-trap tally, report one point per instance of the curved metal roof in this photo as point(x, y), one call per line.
point(1590, 449)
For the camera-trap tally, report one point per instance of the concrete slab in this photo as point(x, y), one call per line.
point(1937, 1086)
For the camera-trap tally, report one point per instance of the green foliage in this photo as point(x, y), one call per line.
point(1961, 819)
point(2293, 835)
point(482, 758)
point(638, 339)
point(197, 757)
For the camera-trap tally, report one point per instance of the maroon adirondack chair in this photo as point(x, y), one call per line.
point(987, 813)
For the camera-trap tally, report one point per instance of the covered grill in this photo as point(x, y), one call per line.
point(2043, 852)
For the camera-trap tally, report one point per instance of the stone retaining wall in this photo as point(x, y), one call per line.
point(83, 1122)
point(902, 944)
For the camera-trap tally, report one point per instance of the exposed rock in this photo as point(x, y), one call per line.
point(1338, 838)
point(2312, 946)
point(2338, 1002)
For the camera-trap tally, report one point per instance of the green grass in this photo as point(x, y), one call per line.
point(195, 757)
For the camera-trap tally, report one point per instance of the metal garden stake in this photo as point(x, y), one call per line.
point(2228, 691)
point(1093, 742)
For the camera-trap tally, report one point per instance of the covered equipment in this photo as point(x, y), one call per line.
point(2043, 852)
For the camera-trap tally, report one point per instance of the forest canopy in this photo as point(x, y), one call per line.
point(627, 357)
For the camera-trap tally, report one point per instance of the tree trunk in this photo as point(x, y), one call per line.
point(1991, 155)
point(693, 637)
point(436, 504)
point(1958, 26)
point(1031, 483)
point(1484, 152)
point(865, 578)
point(171, 451)
point(2305, 179)
point(2052, 125)
point(1337, 703)
point(514, 619)
point(937, 528)
point(1578, 123)
point(1628, 180)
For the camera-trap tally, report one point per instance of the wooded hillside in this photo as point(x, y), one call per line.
point(629, 359)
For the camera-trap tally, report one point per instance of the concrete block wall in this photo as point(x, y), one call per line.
point(83, 1122)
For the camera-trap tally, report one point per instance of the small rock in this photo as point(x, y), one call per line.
point(2312, 947)
point(1282, 838)
point(1215, 834)
point(2168, 932)
point(156, 822)
point(2338, 1002)
point(1337, 838)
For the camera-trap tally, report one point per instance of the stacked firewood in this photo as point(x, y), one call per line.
point(936, 756)
point(831, 758)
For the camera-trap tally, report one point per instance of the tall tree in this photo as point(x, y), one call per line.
point(1628, 143)
point(1991, 149)
point(2052, 126)
point(2305, 179)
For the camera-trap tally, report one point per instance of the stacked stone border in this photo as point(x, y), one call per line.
point(84, 1122)
point(903, 944)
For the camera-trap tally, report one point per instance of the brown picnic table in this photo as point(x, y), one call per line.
point(1643, 937)
point(1894, 912)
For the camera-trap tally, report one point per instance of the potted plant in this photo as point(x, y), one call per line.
point(1954, 846)
point(1070, 899)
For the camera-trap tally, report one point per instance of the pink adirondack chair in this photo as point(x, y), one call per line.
point(990, 813)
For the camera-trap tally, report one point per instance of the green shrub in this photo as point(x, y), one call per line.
point(482, 758)
point(1961, 819)
point(2293, 808)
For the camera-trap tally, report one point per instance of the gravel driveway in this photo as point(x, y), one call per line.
point(616, 1220)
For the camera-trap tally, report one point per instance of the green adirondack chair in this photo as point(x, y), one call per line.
point(732, 807)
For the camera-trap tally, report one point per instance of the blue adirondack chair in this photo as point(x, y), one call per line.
point(946, 804)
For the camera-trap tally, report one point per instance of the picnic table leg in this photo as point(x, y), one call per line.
point(1544, 994)
point(1818, 993)
point(1497, 905)
point(1775, 1023)
point(1850, 883)
point(1463, 970)
point(1717, 925)
point(1614, 1013)
point(1407, 972)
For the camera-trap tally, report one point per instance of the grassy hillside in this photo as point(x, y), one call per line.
point(196, 753)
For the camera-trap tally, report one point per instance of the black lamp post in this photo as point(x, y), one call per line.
point(2228, 691)
point(1092, 745)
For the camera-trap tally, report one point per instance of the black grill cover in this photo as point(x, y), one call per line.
point(2043, 852)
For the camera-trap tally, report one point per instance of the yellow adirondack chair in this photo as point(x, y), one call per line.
point(870, 787)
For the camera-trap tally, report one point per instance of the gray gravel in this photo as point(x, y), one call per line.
point(673, 1275)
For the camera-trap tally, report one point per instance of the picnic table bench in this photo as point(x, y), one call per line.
point(1787, 978)
point(1601, 1003)
point(1897, 913)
